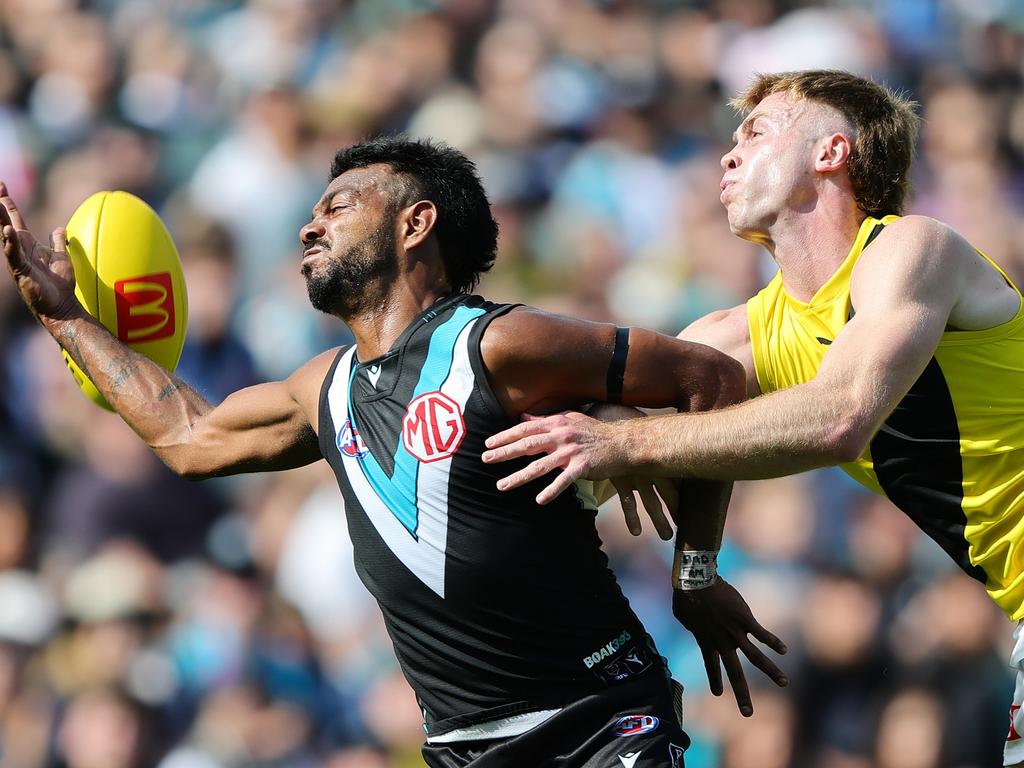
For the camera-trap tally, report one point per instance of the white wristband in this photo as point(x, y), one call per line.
point(694, 569)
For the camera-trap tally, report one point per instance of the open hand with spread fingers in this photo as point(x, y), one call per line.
point(580, 446)
point(44, 275)
point(721, 622)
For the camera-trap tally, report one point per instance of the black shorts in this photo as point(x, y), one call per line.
point(631, 725)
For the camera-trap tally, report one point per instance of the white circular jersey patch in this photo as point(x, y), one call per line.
point(433, 427)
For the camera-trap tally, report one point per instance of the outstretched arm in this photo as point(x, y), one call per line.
point(571, 366)
point(259, 428)
point(543, 363)
point(904, 289)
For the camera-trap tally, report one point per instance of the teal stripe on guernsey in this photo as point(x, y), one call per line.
point(398, 492)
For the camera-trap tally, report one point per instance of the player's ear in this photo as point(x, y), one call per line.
point(416, 222)
point(833, 152)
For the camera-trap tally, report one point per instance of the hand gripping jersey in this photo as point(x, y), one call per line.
point(496, 607)
point(951, 455)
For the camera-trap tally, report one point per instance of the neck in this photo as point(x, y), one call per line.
point(809, 246)
point(377, 328)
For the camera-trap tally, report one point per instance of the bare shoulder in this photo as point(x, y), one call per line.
point(931, 239)
point(925, 261)
point(305, 383)
point(540, 362)
point(726, 329)
point(509, 327)
point(528, 333)
point(913, 254)
point(918, 238)
point(914, 224)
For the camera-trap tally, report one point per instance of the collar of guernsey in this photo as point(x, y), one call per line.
point(952, 453)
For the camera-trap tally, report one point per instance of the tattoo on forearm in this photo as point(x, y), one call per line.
point(167, 391)
point(120, 371)
point(70, 343)
point(121, 365)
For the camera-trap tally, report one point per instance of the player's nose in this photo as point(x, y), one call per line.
point(729, 160)
point(310, 232)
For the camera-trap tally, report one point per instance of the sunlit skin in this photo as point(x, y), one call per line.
point(786, 186)
point(376, 262)
point(340, 258)
point(780, 184)
point(766, 172)
point(379, 306)
point(349, 209)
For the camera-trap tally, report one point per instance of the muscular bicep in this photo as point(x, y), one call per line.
point(902, 293)
point(539, 363)
point(260, 428)
point(663, 371)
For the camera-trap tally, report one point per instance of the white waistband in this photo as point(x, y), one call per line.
point(496, 729)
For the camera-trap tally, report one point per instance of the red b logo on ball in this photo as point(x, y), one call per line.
point(433, 427)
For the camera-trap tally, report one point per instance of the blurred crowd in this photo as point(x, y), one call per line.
point(145, 621)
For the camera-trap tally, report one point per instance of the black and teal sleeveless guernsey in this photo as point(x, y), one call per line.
point(497, 607)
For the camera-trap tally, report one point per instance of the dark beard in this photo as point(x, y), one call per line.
point(344, 285)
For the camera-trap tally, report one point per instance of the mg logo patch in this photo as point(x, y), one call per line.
point(350, 443)
point(145, 308)
point(433, 427)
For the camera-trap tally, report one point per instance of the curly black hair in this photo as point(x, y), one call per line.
point(431, 170)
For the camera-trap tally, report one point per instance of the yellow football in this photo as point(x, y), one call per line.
point(128, 276)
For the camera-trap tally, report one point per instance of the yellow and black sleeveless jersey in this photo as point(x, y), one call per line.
point(951, 455)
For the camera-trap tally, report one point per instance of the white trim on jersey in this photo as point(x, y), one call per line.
point(424, 552)
point(504, 728)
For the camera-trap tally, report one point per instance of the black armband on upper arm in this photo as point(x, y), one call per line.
point(617, 366)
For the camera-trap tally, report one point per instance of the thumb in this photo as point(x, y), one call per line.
point(59, 240)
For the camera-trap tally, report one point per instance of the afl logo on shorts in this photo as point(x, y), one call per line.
point(145, 308)
point(634, 725)
point(433, 427)
point(350, 443)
